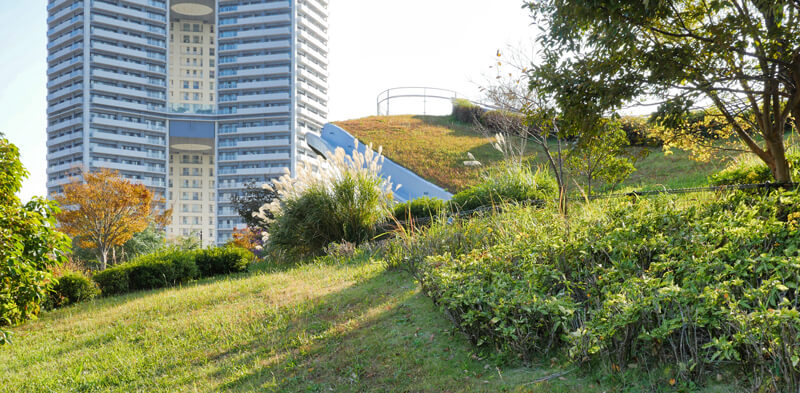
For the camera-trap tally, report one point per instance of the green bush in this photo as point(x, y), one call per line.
point(157, 270)
point(424, 207)
point(508, 184)
point(466, 112)
point(71, 288)
point(751, 170)
point(223, 260)
point(349, 208)
point(29, 245)
point(692, 286)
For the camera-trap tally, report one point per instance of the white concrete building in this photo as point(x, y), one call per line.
point(193, 98)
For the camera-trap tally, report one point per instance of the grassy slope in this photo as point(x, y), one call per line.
point(436, 147)
point(433, 147)
point(342, 328)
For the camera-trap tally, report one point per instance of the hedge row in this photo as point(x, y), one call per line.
point(172, 267)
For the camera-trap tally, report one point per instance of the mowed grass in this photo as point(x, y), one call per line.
point(434, 147)
point(316, 328)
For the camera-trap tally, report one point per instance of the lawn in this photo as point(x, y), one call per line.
point(325, 327)
point(435, 147)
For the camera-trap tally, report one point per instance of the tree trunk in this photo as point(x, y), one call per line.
point(779, 165)
point(104, 259)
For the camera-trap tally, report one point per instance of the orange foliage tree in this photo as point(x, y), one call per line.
point(104, 211)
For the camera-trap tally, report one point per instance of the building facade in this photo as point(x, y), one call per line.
point(192, 98)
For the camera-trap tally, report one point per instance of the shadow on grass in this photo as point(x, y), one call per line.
point(379, 334)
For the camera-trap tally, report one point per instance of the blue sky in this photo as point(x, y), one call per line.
point(374, 45)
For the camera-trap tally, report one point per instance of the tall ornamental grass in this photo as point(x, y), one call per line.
point(344, 199)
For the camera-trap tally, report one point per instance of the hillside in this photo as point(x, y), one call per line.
point(435, 147)
point(335, 327)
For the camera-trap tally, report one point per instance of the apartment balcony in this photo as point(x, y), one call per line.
point(255, 157)
point(125, 64)
point(64, 12)
point(59, 28)
point(63, 167)
point(307, 75)
point(66, 138)
point(65, 38)
point(148, 3)
point(254, 171)
point(78, 46)
point(116, 152)
point(256, 130)
point(266, 71)
point(312, 37)
point(64, 91)
point(319, 119)
point(115, 76)
point(125, 91)
point(270, 32)
point(313, 89)
point(127, 124)
point(64, 124)
point(130, 52)
point(258, 59)
point(317, 14)
point(234, 9)
point(64, 153)
point(256, 85)
point(318, 54)
point(127, 12)
point(149, 107)
point(226, 145)
point(55, 4)
point(63, 66)
point(258, 20)
point(129, 39)
point(255, 111)
point(233, 48)
point(140, 27)
point(150, 140)
point(64, 105)
point(128, 167)
point(59, 182)
point(65, 78)
point(152, 183)
point(261, 97)
point(308, 23)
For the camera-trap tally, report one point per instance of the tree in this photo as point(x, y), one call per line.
point(30, 246)
point(601, 156)
point(105, 211)
point(250, 203)
point(739, 58)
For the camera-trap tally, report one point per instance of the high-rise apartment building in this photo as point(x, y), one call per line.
point(193, 98)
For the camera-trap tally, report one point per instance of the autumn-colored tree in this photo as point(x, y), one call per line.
point(104, 211)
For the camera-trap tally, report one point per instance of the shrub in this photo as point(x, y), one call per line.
point(424, 207)
point(157, 270)
point(638, 131)
point(508, 184)
point(223, 260)
point(29, 245)
point(71, 288)
point(466, 112)
point(499, 121)
point(344, 203)
point(751, 170)
point(693, 286)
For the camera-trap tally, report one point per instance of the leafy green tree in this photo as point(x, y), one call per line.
point(739, 58)
point(30, 246)
point(249, 205)
point(601, 156)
